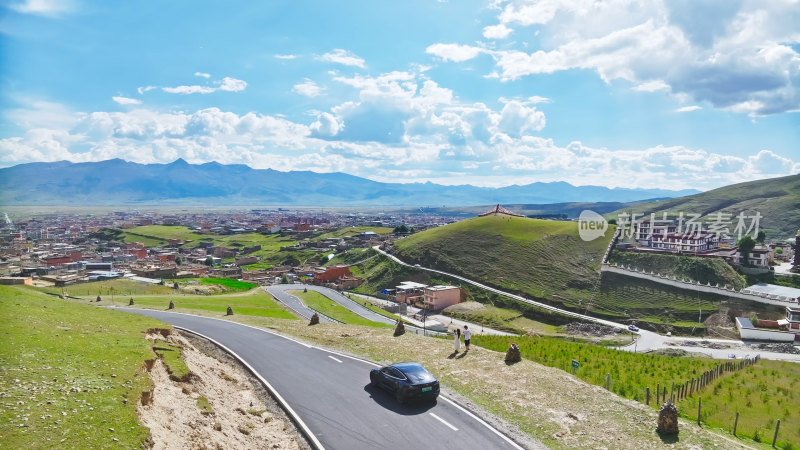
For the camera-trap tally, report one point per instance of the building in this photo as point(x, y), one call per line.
point(758, 257)
point(664, 235)
point(797, 251)
point(408, 292)
point(330, 274)
point(439, 297)
point(792, 320)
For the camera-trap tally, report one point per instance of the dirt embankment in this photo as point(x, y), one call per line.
point(221, 406)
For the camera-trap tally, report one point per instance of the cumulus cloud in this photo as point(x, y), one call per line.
point(308, 88)
point(736, 55)
point(499, 31)
point(278, 56)
point(126, 100)
point(202, 75)
point(454, 52)
point(326, 125)
point(341, 56)
point(232, 85)
point(688, 108)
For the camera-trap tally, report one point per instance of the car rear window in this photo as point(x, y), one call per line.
point(417, 374)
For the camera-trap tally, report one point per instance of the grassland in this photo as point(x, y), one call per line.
point(535, 257)
point(547, 261)
point(255, 303)
point(762, 393)
point(330, 308)
point(71, 374)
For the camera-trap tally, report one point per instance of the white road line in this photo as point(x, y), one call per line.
point(443, 421)
point(482, 422)
point(337, 360)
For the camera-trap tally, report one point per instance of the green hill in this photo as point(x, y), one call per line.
point(548, 261)
point(777, 199)
point(535, 257)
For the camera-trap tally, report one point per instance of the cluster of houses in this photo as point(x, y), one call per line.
point(431, 298)
point(666, 236)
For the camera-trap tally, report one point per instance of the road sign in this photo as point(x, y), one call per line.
point(575, 365)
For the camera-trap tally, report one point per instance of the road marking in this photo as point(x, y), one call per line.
point(443, 421)
point(337, 360)
point(482, 422)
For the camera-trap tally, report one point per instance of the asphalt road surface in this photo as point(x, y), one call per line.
point(331, 394)
point(279, 292)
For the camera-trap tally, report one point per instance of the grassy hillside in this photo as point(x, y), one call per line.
point(547, 261)
point(71, 374)
point(777, 199)
point(704, 270)
point(536, 257)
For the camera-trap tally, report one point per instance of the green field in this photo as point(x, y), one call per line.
point(330, 308)
point(71, 374)
point(762, 393)
point(269, 255)
point(255, 303)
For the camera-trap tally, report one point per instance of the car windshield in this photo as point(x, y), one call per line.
point(416, 373)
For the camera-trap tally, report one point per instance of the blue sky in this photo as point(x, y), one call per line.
point(622, 93)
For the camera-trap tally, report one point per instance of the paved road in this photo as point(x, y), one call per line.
point(279, 292)
point(647, 340)
point(332, 396)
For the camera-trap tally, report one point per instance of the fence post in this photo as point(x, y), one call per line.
point(647, 396)
point(672, 392)
point(658, 393)
point(775, 437)
point(735, 423)
point(608, 381)
point(699, 405)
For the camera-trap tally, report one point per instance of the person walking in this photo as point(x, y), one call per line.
point(467, 337)
point(457, 340)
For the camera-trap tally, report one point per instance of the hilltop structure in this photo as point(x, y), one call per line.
point(500, 210)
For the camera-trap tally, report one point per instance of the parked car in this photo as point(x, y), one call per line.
point(407, 381)
point(633, 328)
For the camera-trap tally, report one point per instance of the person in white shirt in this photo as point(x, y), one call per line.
point(457, 340)
point(467, 336)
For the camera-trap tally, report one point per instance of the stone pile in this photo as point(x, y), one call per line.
point(668, 419)
point(314, 319)
point(513, 355)
point(400, 329)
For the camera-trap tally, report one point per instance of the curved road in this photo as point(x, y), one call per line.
point(331, 395)
point(279, 291)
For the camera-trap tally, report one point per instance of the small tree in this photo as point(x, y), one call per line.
point(761, 236)
point(178, 260)
point(209, 261)
point(285, 279)
point(746, 244)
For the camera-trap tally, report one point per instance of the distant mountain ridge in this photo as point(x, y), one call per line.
point(118, 182)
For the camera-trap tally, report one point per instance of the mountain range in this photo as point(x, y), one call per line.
point(118, 182)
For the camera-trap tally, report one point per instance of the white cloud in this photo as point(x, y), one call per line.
point(740, 56)
point(232, 85)
point(185, 90)
point(326, 125)
point(308, 88)
point(341, 56)
point(688, 108)
point(126, 101)
point(454, 52)
point(203, 75)
point(226, 84)
point(499, 31)
point(286, 56)
point(144, 89)
point(43, 7)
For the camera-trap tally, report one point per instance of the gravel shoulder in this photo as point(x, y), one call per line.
point(221, 406)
